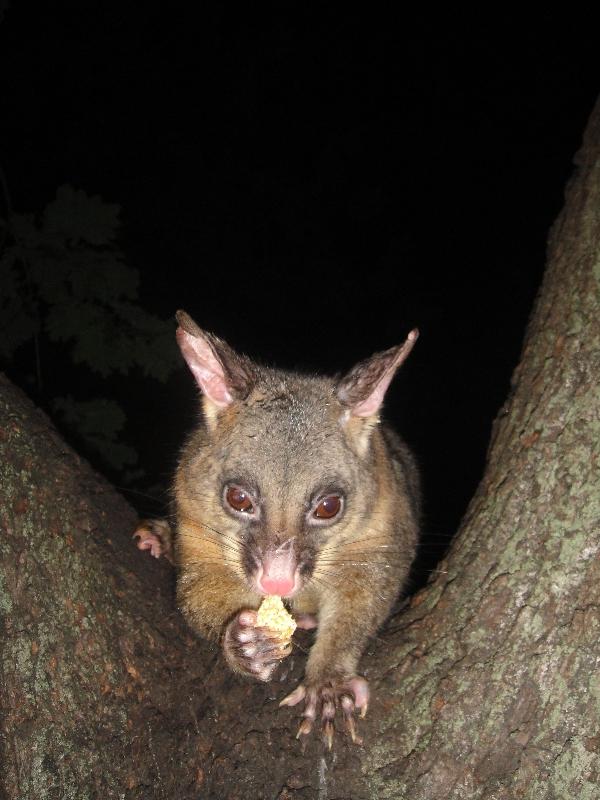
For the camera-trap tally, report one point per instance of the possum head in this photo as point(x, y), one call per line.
point(284, 462)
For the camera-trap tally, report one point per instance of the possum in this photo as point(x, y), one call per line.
point(291, 486)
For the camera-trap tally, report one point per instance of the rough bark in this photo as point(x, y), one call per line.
point(89, 647)
point(487, 686)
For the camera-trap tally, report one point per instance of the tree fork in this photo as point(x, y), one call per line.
point(486, 686)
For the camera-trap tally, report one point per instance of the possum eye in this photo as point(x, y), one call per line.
point(329, 507)
point(239, 500)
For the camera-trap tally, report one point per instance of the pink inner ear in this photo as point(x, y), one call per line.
point(205, 367)
point(371, 404)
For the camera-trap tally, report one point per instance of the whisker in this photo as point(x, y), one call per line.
point(225, 550)
point(205, 525)
point(236, 543)
point(318, 581)
point(225, 545)
point(356, 564)
point(137, 492)
point(352, 582)
point(202, 561)
point(366, 553)
point(321, 576)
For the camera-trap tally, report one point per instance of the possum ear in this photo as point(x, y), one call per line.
point(222, 374)
point(363, 388)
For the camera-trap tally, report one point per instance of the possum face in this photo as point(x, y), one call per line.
point(286, 470)
point(288, 479)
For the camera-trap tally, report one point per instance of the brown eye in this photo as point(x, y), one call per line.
point(239, 500)
point(328, 507)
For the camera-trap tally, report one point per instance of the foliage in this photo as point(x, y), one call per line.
point(63, 278)
point(98, 421)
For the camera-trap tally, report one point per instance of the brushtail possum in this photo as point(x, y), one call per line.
point(290, 486)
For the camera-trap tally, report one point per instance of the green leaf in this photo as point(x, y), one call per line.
point(19, 314)
point(65, 279)
point(99, 423)
point(76, 217)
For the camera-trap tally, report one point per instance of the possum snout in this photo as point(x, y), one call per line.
point(277, 572)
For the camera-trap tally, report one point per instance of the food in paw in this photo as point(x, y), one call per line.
point(273, 615)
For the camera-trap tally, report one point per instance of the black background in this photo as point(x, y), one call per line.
point(311, 182)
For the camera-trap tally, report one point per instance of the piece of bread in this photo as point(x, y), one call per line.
point(273, 615)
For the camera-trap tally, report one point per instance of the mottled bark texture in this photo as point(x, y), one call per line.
point(87, 638)
point(486, 686)
point(489, 687)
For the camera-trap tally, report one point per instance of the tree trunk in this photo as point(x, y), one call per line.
point(487, 686)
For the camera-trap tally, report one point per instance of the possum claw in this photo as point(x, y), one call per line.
point(294, 697)
point(305, 728)
point(328, 733)
point(322, 701)
point(348, 709)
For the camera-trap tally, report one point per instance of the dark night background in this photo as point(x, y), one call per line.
point(310, 183)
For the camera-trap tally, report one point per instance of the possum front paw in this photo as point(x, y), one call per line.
point(251, 650)
point(323, 698)
point(155, 535)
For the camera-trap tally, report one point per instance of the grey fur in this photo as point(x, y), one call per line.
point(289, 439)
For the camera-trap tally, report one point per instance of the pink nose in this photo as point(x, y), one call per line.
point(280, 586)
